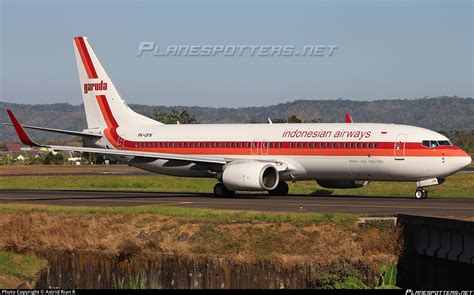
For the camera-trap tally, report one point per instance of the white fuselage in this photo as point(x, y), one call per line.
point(357, 151)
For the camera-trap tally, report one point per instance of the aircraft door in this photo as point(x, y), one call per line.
point(254, 147)
point(399, 147)
point(265, 145)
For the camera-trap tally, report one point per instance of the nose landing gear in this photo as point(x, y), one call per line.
point(421, 193)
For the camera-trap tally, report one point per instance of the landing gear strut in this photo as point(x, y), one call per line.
point(421, 193)
point(221, 191)
point(280, 190)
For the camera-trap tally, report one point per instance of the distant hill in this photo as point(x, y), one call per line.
point(440, 113)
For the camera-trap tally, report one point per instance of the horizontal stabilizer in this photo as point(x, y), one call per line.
point(61, 131)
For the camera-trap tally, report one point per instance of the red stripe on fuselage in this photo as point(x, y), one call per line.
point(112, 125)
point(383, 149)
point(85, 57)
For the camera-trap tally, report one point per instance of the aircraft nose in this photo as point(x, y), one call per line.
point(460, 161)
point(466, 161)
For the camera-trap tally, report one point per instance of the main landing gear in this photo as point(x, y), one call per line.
point(280, 190)
point(421, 193)
point(222, 192)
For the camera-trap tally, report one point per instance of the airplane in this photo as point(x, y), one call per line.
point(253, 157)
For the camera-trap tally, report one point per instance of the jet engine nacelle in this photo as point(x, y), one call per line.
point(250, 176)
point(342, 183)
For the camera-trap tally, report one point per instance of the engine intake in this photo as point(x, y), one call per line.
point(250, 176)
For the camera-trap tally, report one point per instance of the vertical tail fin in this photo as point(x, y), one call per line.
point(102, 102)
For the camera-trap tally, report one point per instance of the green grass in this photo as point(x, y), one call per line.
point(459, 185)
point(21, 266)
point(195, 214)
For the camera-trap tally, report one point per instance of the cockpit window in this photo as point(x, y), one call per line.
point(444, 142)
point(435, 143)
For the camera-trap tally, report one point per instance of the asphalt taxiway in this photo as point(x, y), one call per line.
point(372, 206)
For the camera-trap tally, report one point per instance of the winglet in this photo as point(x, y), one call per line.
point(348, 118)
point(20, 131)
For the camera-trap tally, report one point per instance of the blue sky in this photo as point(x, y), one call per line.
point(387, 49)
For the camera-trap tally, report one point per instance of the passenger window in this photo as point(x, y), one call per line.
point(375, 145)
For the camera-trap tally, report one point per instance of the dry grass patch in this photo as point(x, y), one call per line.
point(252, 236)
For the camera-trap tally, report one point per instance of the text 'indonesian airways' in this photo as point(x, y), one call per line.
point(343, 134)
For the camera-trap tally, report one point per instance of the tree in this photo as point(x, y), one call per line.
point(294, 119)
point(54, 159)
point(181, 115)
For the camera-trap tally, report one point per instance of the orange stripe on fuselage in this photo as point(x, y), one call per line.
point(374, 152)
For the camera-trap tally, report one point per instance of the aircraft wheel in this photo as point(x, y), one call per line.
point(280, 190)
point(221, 191)
point(421, 193)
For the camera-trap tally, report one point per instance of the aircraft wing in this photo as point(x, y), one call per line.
point(25, 139)
point(349, 118)
point(113, 152)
